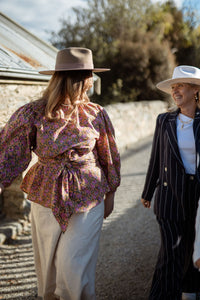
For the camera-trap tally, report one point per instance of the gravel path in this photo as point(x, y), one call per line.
point(128, 246)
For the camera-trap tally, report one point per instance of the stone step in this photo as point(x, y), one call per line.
point(10, 229)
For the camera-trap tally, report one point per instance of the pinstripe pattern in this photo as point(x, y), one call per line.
point(166, 174)
point(191, 279)
point(173, 194)
point(167, 278)
point(174, 271)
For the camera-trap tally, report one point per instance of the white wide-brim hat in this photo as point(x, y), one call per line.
point(74, 59)
point(181, 74)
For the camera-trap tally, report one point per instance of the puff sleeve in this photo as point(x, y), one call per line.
point(17, 139)
point(108, 154)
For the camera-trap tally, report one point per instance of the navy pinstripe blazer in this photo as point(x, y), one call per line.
point(166, 174)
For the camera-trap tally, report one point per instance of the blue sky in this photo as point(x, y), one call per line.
point(40, 16)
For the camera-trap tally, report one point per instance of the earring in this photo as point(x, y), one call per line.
point(196, 97)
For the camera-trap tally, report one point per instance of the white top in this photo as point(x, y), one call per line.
point(186, 143)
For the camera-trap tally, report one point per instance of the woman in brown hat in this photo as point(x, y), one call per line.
point(174, 176)
point(72, 185)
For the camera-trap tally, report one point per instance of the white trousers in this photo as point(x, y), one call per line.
point(65, 263)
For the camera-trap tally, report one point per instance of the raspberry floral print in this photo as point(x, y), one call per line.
point(74, 157)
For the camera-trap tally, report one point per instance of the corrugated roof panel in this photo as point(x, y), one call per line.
point(20, 49)
point(22, 53)
point(10, 60)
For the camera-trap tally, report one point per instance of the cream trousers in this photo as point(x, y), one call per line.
point(65, 263)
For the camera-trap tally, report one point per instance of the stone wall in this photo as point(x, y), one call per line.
point(15, 95)
point(132, 121)
point(12, 96)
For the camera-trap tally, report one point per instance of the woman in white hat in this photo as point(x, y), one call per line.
point(72, 185)
point(174, 176)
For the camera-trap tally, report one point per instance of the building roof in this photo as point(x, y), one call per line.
point(22, 53)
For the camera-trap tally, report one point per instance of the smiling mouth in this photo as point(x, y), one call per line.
point(177, 97)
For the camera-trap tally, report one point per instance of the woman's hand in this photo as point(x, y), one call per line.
point(108, 204)
point(197, 263)
point(146, 203)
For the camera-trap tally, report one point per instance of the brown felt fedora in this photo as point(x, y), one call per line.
point(72, 59)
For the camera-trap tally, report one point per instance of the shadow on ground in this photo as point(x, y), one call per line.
point(129, 243)
point(127, 256)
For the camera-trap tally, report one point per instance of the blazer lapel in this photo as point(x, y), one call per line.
point(172, 135)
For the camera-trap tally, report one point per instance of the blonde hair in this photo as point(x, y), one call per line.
point(70, 85)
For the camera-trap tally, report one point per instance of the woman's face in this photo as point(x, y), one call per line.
point(90, 82)
point(183, 94)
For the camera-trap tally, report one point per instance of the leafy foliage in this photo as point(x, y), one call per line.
point(141, 42)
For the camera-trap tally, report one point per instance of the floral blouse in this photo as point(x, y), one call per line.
point(78, 160)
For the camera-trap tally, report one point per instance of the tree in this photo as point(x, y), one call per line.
point(178, 27)
point(138, 40)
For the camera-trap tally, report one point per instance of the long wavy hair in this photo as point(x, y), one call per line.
point(66, 85)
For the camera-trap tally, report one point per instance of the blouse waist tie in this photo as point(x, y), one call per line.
point(67, 190)
point(68, 163)
point(67, 173)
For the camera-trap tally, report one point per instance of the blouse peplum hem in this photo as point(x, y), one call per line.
point(78, 161)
